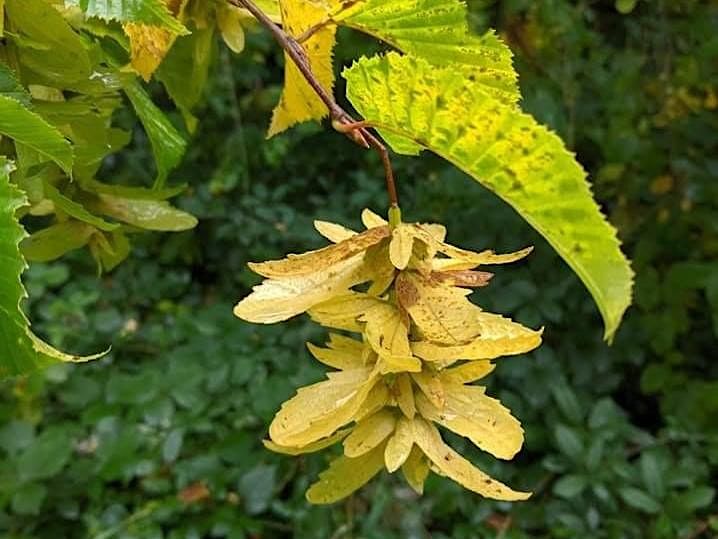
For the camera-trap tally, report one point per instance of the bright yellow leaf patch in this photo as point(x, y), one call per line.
point(299, 102)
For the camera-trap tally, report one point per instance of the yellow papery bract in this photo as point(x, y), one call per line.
point(320, 409)
point(431, 386)
point(378, 398)
point(387, 334)
point(345, 475)
point(309, 448)
point(371, 219)
point(321, 259)
point(299, 101)
point(399, 445)
point(469, 412)
point(404, 395)
point(394, 385)
point(401, 246)
point(468, 372)
point(456, 467)
point(416, 470)
point(496, 336)
point(333, 232)
point(369, 433)
point(343, 311)
point(280, 299)
point(442, 313)
point(339, 358)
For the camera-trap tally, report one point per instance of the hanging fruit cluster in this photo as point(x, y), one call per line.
point(423, 344)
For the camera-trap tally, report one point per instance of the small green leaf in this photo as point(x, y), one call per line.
point(639, 500)
point(75, 209)
point(28, 499)
point(569, 442)
point(168, 146)
point(185, 68)
point(16, 435)
point(505, 150)
point(10, 85)
point(696, 498)
point(150, 12)
point(48, 45)
point(145, 214)
point(26, 127)
point(569, 486)
point(46, 456)
point(172, 445)
point(652, 473)
point(138, 193)
point(257, 487)
point(567, 402)
point(56, 241)
point(626, 6)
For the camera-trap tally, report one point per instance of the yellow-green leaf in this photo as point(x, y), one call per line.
point(508, 152)
point(438, 31)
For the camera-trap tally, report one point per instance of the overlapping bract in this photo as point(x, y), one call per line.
point(423, 345)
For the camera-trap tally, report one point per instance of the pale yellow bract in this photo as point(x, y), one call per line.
point(423, 345)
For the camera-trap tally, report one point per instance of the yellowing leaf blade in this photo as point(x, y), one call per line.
point(509, 153)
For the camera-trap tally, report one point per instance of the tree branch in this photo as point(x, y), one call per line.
point(341, 119)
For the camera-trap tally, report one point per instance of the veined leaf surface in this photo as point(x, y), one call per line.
point(21, 351)
point(150, 12)
point(438, 31)
point(505, 150)
point(28, 128)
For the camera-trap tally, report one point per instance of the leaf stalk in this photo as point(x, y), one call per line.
point(343, 122)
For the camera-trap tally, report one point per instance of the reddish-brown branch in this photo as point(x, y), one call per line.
point(356, 130)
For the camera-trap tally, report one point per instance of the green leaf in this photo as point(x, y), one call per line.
point(56, 241)
point(508, 152)
point(438, 31)
point(76, 210)
point(569, 442)
point(150, 12)
point(145, 214)
point(696, 498)
point(139, 193)
point(20, 350)
point(569, 486)
point(46, 456)
point(26, 127)
point(257, 487)
point(652, 473)
point(47, 44)
point(168, 146)
point(626, 6)
point(639, 500)
point(185, 68)
point(28, 499)
point(10, 85)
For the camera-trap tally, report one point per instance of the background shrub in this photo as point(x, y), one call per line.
point(163, 438)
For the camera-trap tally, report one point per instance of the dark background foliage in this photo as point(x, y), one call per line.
point(163, 438)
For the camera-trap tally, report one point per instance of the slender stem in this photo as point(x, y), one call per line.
point(356, 131)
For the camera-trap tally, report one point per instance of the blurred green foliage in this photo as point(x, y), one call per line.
point(163, 437)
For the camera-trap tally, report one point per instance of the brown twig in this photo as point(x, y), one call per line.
point(356, 130)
